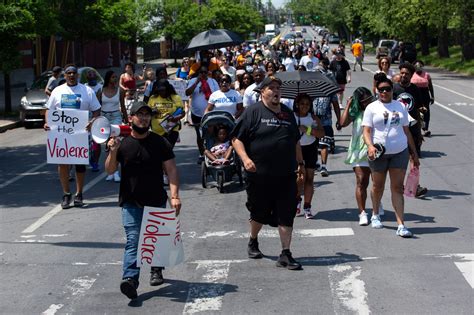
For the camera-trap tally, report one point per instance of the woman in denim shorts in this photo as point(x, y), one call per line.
point(386, 122)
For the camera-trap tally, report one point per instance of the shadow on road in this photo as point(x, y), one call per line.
point(432, 154)
point(178, 290)
point(340, 258)
point(442, 194)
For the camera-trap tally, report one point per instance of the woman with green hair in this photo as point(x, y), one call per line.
point(357, 151)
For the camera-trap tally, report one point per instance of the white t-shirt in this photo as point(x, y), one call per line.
point(289, 64)
point(198, 100)
point(396, 140)
point(250, 96)
point(226, 101)
point(73, 97)
point(96, 88)
point(389, 75)
point(309, 63)
point(111, 104)
point(307, 122)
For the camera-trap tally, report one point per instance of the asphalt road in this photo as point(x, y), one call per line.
point(71, 263)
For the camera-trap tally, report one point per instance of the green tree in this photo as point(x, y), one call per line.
point(20, 20)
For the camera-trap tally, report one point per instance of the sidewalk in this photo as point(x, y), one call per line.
point(19, 92)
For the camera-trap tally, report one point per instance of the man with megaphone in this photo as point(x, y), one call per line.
point(142, 157)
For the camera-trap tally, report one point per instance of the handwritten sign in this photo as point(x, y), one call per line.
point(160, 241)
point(68, 140)
point(180, 87)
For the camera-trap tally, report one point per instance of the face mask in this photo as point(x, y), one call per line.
point(139, 130)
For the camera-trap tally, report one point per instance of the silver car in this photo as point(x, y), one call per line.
point(33, 103)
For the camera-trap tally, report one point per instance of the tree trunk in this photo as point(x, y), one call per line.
point(443, 42)
point(8, 93)
point(424, 40)
point(467, 36)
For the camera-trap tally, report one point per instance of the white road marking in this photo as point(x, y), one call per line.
point(18, 177)
point(454, 112)
point(29, 241)
point(28, 236)
point(81, 285)
point(348, 290)
point(208, 296)
point(33, 227)
point(452, 91)
point(80, 264)
point(1, 253)
point(466, 266)
point(52, 309)
point(274, 233)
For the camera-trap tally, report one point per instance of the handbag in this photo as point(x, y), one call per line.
point(380, 147)
point(412, 181)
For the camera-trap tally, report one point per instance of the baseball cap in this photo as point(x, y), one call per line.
point(57, 69)
point(137, 105)
point(266, 82)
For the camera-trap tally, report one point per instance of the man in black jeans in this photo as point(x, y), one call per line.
point(142, 157)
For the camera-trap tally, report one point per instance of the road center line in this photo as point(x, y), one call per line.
point(33, 227)
point(452, 91)
point(18, 177)
point(52, 309)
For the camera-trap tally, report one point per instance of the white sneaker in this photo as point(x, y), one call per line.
point(307, 213)
point(116, 177)
point(404, 232)
point(109, 178)
point(363, 219)
point(376, 223)
point(165, 180)
point(381, 211)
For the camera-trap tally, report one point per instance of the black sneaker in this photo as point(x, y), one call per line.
point(156, 276)
point(420, 191)
point(253, 250)
point(66, 203)
point(78, 200)
point(287, 261)
point(129, 288)
point(324, 172)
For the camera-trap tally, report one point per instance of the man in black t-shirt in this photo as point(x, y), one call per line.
point(342, 71)
point(266, 138)
point(409, 94)
point(142, 157)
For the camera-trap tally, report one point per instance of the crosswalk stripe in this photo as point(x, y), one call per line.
point(466, 265)
point(273, 233)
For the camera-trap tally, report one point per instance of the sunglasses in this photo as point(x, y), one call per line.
point(385, 89)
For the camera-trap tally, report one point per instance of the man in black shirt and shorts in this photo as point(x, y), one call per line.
point(142, 157)
point(266, 138)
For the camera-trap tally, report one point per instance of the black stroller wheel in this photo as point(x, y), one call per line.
point(220, 182)
point(204, 174)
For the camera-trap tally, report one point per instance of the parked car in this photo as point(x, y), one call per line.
point(387, 48)
point(303, 30)
point(409, 51)
point(33, 103)
point(333, 39)
point(290, 38)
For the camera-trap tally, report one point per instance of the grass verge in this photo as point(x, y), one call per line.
point(453, 63)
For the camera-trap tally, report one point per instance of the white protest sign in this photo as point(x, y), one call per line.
point(68, 139)
point(180, 87)
point(160, 241)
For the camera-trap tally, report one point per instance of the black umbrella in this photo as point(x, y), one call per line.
point(315, 84)
point(213, 39)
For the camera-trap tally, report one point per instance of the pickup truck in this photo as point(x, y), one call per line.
point(387, 48)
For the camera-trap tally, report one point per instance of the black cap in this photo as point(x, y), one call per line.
point(57, 69)
point(266, 82)
point(137, 105)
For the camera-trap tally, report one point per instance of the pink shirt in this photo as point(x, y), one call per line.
point(421, 80)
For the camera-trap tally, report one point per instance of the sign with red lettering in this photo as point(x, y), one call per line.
point(160, 243)
point(68, 139)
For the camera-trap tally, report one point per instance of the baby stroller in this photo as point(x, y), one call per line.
point(223, 173)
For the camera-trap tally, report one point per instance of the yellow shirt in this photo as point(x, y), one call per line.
point(357, 50)
point(164, 107)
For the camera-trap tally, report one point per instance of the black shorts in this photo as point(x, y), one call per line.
point(328, 135)
point(271, 199)
point(310, 154)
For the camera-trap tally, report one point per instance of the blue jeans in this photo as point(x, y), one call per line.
point(132, 220)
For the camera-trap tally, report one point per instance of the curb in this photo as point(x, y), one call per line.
point(10, 125)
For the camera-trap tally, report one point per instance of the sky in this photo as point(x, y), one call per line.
point(278, 3)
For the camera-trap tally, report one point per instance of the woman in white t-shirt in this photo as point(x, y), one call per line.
point(310, 128)
point(386, 122)
point(226, 99)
